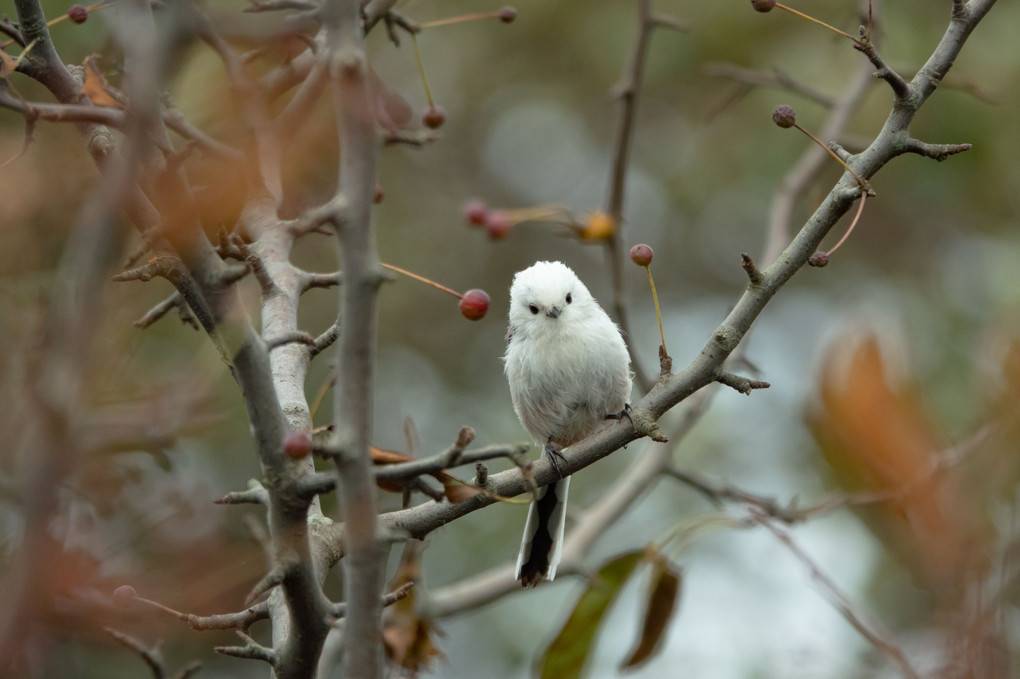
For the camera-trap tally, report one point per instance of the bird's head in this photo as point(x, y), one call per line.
point(547, 292)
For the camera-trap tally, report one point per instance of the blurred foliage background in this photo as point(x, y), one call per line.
point(906, 345)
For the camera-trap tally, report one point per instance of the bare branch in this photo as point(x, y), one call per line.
point(402, 592)
point(174, 301)
point(775, 78)
point(152, 656)
point(869, 626)
point(742, 384)
point(251, 650)
point(452, 457)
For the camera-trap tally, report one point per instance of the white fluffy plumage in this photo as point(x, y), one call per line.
point(568, 369)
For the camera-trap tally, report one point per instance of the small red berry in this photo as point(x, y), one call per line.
point(124, 595)
point(763, 5)
point(819, 259)
point(784, 116)
point(77, 14)
point(474, 304)
point(507, 14)
point(641, 254)
point(379, 194)
point(297, 445)
point(434, 117)
point(475, 211)
point(497, 225)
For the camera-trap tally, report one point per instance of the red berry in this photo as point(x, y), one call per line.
point(297, 445)
point(507, 14)
point(474, 304)
point(475, 211)
point(763, 5)
point(124, 595)
point(77, 14)
point(434, 117)
point(497, 225)
point(379, 193)
point(641, 254)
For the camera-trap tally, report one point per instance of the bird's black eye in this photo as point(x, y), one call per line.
point(570, 298)
point(533, 308)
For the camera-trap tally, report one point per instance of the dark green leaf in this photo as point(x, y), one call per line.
point(566, 655)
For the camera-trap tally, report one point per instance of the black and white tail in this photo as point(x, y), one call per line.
point(542, 545)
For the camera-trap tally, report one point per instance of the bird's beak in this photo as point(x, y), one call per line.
point(554, 312)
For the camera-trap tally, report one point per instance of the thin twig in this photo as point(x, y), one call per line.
point(870, 627)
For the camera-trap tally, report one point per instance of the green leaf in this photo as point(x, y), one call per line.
point(567, 654)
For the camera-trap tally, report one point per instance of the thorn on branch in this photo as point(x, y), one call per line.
point(481, 475)
point(324, 341)
point(315, 220)
point(257, 266)
point(319, 280)
point(670, 22)
point(161, 266)
point(339, 610)
point(190, 669)
point(318, 483)
point(153, 656)
point(255, 495)
point(938, 152)
point(899, 86)
point(416, 138)
point(268, 582)
point(753, 275)
point(174, 301)
point(742, 384)
point(251, 650)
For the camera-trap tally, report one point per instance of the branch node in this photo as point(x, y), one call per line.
point(646, 426)
point(297, 336)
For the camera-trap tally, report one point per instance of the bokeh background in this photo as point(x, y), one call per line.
point(906, 346)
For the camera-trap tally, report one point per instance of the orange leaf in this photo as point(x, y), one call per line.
point(454, 489)
point(94, 86)
point(875, 434)
point(8, 65)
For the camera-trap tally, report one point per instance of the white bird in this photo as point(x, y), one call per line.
point(569, 371)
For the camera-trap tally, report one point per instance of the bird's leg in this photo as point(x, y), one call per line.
point(553, 451)
point(625, 413)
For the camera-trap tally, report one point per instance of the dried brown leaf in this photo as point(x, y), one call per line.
point(95, 85)
point(663, 596)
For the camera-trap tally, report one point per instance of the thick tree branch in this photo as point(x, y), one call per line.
point(352, 414)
